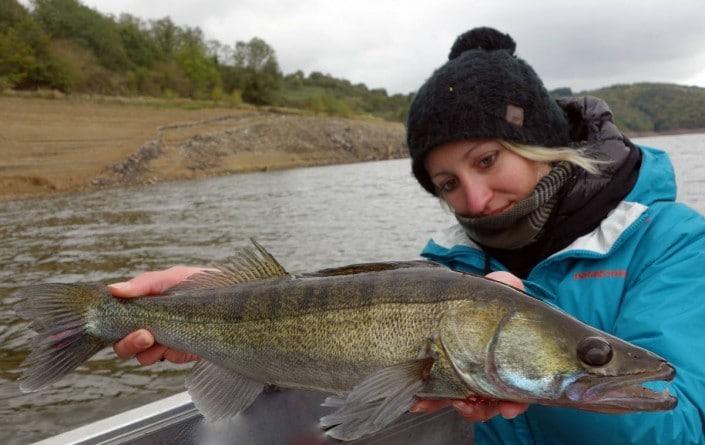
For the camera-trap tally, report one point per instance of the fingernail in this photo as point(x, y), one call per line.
point(143, 341)
point(464, 407)
point(123, 286)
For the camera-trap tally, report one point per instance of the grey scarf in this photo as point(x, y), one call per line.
point(522, 223)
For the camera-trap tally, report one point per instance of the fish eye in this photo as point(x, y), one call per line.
point(594, 351)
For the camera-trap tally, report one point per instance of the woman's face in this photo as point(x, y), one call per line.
point(479, 177)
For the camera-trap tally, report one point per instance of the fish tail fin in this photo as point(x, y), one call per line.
point(59, 314)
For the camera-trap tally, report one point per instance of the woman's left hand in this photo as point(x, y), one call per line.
point(479, 410)
point(140, 343)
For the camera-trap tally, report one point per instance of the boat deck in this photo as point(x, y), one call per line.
point(277, 417)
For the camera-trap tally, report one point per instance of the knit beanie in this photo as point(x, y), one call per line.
point(483, 91)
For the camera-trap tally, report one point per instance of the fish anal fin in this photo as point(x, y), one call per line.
point(251, 263)
point(220, 393)
point(376, 401)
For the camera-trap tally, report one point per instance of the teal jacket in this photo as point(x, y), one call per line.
point(640, 276)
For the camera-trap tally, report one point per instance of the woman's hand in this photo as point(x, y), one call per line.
point(140, 343)
point(474, 411)
point(479, 410)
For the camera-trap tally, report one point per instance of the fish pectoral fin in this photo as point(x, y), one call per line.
point(376, 401)
point(334, 401)
point(220, 393)
point(249, 263)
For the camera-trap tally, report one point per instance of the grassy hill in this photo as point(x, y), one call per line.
point(652, 107)
point(66, 46)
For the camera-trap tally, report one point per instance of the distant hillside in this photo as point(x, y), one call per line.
point(652, 107)
point(66, 46)
point(323, 93)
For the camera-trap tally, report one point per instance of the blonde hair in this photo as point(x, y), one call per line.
point(574, 156)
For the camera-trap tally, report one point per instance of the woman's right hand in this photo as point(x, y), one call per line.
point(474, 411)
point(140, 343)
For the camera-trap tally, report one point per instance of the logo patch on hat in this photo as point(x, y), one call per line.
point(514, 115)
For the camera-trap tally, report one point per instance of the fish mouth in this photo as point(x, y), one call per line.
point(618, 394)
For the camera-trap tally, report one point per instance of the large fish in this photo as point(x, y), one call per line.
point(375, 335)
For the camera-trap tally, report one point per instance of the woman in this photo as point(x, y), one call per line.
point(550, 197)
point(553, 193)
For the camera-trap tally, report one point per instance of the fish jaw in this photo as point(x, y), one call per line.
point(620, 394)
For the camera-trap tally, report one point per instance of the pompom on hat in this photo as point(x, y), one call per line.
point(483, 91)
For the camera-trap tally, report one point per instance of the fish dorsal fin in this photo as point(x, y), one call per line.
point(467, 332)
point(249, 263)
point(353, 269)
point(220, 393)
point(377, 401)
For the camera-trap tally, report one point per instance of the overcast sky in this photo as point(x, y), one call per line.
point(397, 44)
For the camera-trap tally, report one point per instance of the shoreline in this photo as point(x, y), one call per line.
point(38, 189)
point(37, 195)
point(53, 147)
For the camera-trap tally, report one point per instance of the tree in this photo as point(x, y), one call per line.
point(295, 79)
point(166, 36)
point(69, 19)
point(11, 13)
point(137, 42)
point(258, 71)
point(200, 68)
point(25, 61)
point(221, 53)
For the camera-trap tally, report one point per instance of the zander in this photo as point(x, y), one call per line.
point(375, 335)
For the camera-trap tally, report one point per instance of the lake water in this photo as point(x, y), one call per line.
point(307, 218)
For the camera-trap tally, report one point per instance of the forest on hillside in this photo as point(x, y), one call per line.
point(66, 46)
point(658, 107)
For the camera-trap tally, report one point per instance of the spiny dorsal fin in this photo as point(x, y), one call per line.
point(353, 269)
point(249, 263)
